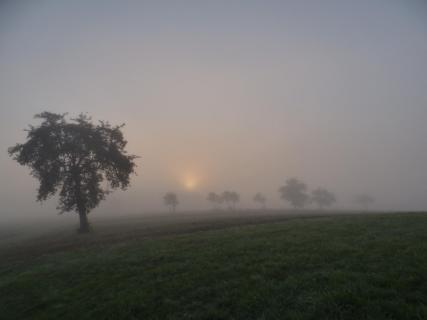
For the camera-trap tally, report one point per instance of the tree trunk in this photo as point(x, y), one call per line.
point(84, 223)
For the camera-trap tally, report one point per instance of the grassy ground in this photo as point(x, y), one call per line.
point(337, 267)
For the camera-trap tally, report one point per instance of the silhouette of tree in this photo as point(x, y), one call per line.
point(235, 198)
point(323, 198)
point(74, 157)
point(295, 192)
point(231, 198)
point(226, 198)
point(171, 199)
point(215, 199)
point(261, 199)
point(365, 200)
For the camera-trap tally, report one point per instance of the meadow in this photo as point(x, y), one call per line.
point(239, 265)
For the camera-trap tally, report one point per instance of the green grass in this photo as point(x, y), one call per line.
point(338, 267)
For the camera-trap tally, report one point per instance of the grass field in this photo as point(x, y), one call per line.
point(371, 266)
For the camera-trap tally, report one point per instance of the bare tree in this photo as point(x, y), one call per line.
point(365, 200)
point(295, 192)
point(73, 158)
point(171, 200)
point(322, 197)
point(215, 199)
point(261, 199)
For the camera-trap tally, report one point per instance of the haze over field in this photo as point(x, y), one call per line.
point(225, 95)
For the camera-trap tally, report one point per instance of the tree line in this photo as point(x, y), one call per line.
point(295, 192)
point(83, 162)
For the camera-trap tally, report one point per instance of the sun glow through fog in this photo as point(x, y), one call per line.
point(190, 181)
point(190, 184)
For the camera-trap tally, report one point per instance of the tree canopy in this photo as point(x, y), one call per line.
point(323, 197)
point(76, 158)
point(295, 192)
point(231, 198)
point(171, 199)
point(215, 199)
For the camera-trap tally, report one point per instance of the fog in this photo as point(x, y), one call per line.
point(225, 95)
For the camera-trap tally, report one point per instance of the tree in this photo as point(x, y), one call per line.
point(171, 199)
point(322, 197)
point(295, 192)
point(364, 200)
point(261, 199)
point(75, 157)
point(235, 198)
point(215, 199)
point(231, 198)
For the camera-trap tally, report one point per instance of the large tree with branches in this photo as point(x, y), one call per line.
point(81, 160)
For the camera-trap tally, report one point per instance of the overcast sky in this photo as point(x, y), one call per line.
point(222, 95)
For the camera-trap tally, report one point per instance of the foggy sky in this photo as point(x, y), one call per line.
point(235, 95)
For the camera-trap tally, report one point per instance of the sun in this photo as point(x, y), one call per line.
point(190, 183)
point(190, 180)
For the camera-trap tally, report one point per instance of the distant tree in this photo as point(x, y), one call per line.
point(295, 192)
point(171, 199)
point(226, 198)
point(231, 198)
point(215, 199)
point(261, 199)
point(322, 197)
point(235, 198)
point(75, 157)
point(365, 200)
